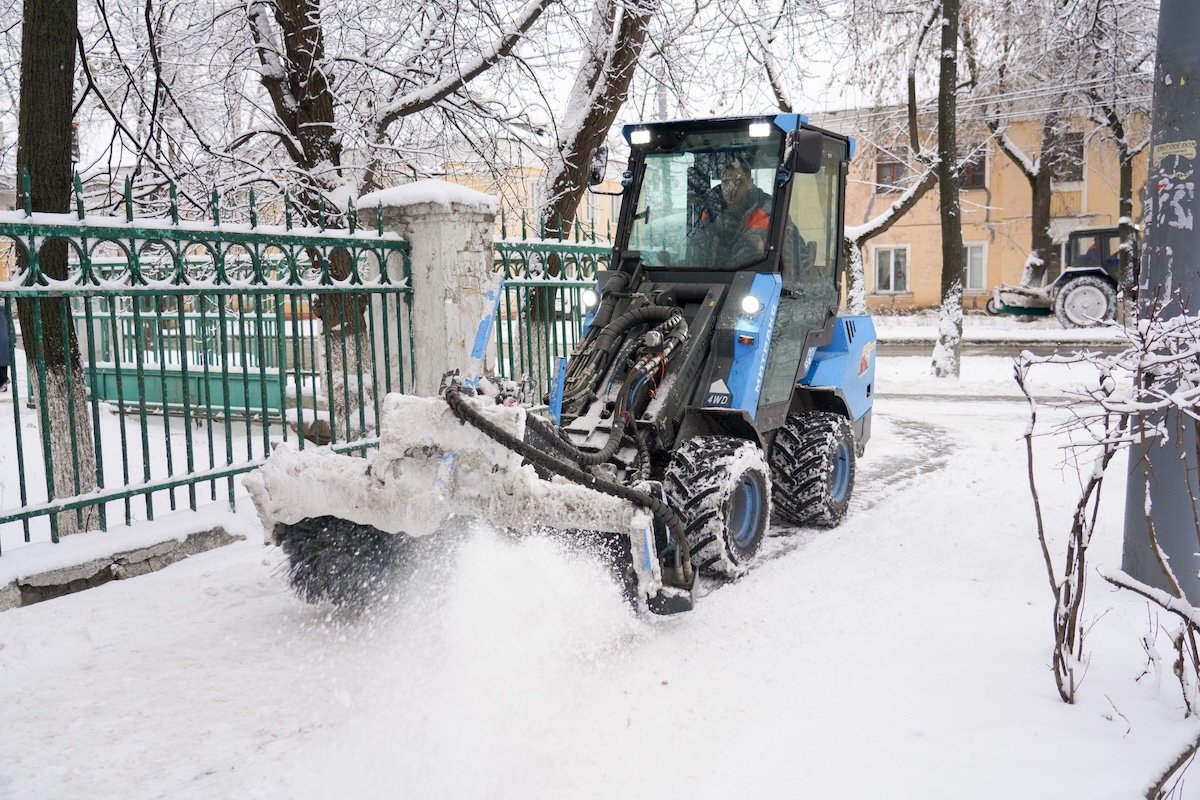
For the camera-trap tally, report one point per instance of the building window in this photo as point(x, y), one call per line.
point(1068, 164)
point(974, 173)
point(976, 268)
point(888, 176)
point(891, 269)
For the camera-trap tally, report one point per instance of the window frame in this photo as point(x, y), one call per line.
point(892, 248)
point(974, 166)
point(1072, 156)
point(983, 287)
point(898, 169)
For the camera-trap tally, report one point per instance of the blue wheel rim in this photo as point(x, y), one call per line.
point(839, 478)
point(745, 509)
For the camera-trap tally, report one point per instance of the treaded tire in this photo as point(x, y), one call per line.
point(1085, 301)
point(812, 468)
point(721, 489)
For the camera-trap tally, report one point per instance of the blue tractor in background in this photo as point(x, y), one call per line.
point(715, 385)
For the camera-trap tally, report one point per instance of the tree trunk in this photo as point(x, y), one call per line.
point(44, 151)
point(949, 342)
point(296, 81)
point(1043, 254)
point(601, 88)
point(1127, 256)
point(294, 77)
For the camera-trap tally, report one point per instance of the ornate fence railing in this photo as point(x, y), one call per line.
point(199, 346)
point(541, 312)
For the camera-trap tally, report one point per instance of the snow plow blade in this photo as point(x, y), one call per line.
point(341, 519)
point(1019, 301)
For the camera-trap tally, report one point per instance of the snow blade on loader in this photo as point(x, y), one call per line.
point(341, 519)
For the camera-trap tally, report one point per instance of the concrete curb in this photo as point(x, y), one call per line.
point(118, 566)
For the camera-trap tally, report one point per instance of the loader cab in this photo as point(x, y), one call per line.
point(723, 201)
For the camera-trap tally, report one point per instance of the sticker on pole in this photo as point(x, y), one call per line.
point(718, 395)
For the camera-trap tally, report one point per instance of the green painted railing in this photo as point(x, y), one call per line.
point(200, 345)
point(541, 312)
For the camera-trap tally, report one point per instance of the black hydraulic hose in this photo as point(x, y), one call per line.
point(600, 351)
point(661, 511)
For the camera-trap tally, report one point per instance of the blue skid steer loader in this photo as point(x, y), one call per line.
point(715, 385)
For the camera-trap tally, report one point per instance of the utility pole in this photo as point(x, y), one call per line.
point(1170, 264)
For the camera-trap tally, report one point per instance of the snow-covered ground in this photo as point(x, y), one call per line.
point(904, 654)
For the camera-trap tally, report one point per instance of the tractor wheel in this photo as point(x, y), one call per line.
point(1085, 301)
point(991, 307)
point(721, 489)
point(812, 467)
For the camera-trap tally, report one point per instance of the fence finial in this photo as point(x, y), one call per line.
point(350, 217)
point(78, 186)
point(253, 210)
point(128, 200)
point(174, 203)
point(379, 217)
point(321, 211)
point(287, 209)
point(216, 208)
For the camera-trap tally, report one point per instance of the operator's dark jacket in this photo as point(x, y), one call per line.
point(725, 237)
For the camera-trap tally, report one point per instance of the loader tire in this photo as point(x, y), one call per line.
point(721, 489)
point(1086, 301)
point(812, 468)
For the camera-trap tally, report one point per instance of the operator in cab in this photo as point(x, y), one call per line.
point(732, 228)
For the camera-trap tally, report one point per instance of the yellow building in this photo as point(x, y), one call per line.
point(903, 265)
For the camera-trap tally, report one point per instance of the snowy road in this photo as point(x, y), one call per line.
point(902, 655)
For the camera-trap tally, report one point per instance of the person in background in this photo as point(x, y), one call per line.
point(3, 351)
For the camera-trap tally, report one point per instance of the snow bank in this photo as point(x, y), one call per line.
point(429, 467)
point(80, 548)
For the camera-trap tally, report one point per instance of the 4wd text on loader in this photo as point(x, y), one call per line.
point(715, 384)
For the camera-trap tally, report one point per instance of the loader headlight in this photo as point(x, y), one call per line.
point(589, 298)
point(751, 305)
point(759, 129)
point(639, 136)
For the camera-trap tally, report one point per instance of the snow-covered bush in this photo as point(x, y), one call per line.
point(1148, 392)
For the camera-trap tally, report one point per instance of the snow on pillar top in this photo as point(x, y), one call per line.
point(454, 281)
point(431, 192)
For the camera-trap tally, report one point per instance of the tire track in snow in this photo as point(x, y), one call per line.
point(922, 449)
point(927, 449)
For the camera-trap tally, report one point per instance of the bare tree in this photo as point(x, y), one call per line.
point(949, 340)
point(606, 69)
point(1145, 393)
point(1117, 68)
point(44, 152)
point(856, 237)
point(1059, 64)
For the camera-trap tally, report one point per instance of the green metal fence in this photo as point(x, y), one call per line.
point(541, 312)
point(200, 345)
